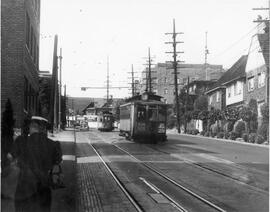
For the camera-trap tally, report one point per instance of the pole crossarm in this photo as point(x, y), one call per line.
point(174, 52)
point(118, 87)
point(173, 42)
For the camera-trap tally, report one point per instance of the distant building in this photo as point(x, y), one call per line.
point(20, 32)
point(164, 83)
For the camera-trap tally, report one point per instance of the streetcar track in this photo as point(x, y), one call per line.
point(118, 182)
point(199, 165)
point(164, 176)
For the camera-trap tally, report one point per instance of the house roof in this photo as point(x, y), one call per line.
point(264, 43)
point(237, 71)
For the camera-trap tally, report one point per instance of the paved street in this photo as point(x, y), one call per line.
point(192, 173)
point(232, 176)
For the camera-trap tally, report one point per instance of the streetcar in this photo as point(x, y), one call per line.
point(143, 118)
point(105, 121)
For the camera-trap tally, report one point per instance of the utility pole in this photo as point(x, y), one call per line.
point(206, 52)
point(133, 88)
point(60, 88)
point(187, 99)
point(267, 21)
point(108, 77)
point(54, 83)
point(175, 62)
point(65, 100)
point(148, 72)
point(132, 81)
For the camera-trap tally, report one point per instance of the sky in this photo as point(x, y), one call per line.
point(92, 31)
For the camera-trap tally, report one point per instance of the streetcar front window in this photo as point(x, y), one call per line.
point(153, 113)
point(141, 113)
point(162, 113)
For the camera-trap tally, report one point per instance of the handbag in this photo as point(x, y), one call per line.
point(9, 180)
point(56, 177)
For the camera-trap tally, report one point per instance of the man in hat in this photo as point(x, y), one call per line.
point(36, 160)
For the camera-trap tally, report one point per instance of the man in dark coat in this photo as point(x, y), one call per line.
point(36, 155)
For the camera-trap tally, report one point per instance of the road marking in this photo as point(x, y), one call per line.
point(69, 157)
point(216, 159)
point(89, 159)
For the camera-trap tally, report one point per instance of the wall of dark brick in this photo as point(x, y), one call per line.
point(14, 55)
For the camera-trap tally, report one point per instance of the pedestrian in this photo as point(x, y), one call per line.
point(36, 159)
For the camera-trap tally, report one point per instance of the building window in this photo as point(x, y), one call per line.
point(239, 87)
point(261, 79)
point(165, 80)
point(210, 99)
point(31, 40)
point(178, 81)
point(165, 91)
point(251, 84)
point(229, 91)
point(27, 31)
point(35, 50)
point(218, 96)
point(259, 109)
point(235, 89)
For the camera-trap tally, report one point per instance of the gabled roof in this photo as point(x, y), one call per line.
point(264, 43)
point(237, 71)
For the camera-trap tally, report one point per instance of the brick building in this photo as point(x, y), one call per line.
point(257, 68)
point(163, 77)
point(20, 25)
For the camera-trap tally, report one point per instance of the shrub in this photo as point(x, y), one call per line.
point(171, 122)
point(233, 135)
point(263, 130)
point(202, 132)
point(207, 134)
point(226, 135)
point(259, 139)
point(245, 137)
point(252, 137)
point(228, 127)
point(195, 132)
point(239, 127)
point(213, 134)
point(220, 135)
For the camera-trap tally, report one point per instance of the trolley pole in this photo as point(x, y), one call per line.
point(175, 66)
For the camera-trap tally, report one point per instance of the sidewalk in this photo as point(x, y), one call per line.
point(64, 199)
point(174, 132)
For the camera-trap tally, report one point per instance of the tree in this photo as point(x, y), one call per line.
point(116, 109)
point(201, 108)
point(7, 131)
point(44, 96)
point(253, 123)
point(201, 103)
point(264, 128)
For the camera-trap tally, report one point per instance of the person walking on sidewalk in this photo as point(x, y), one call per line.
point(36, 160)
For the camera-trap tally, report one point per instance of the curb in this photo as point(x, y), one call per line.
point(223, 140)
